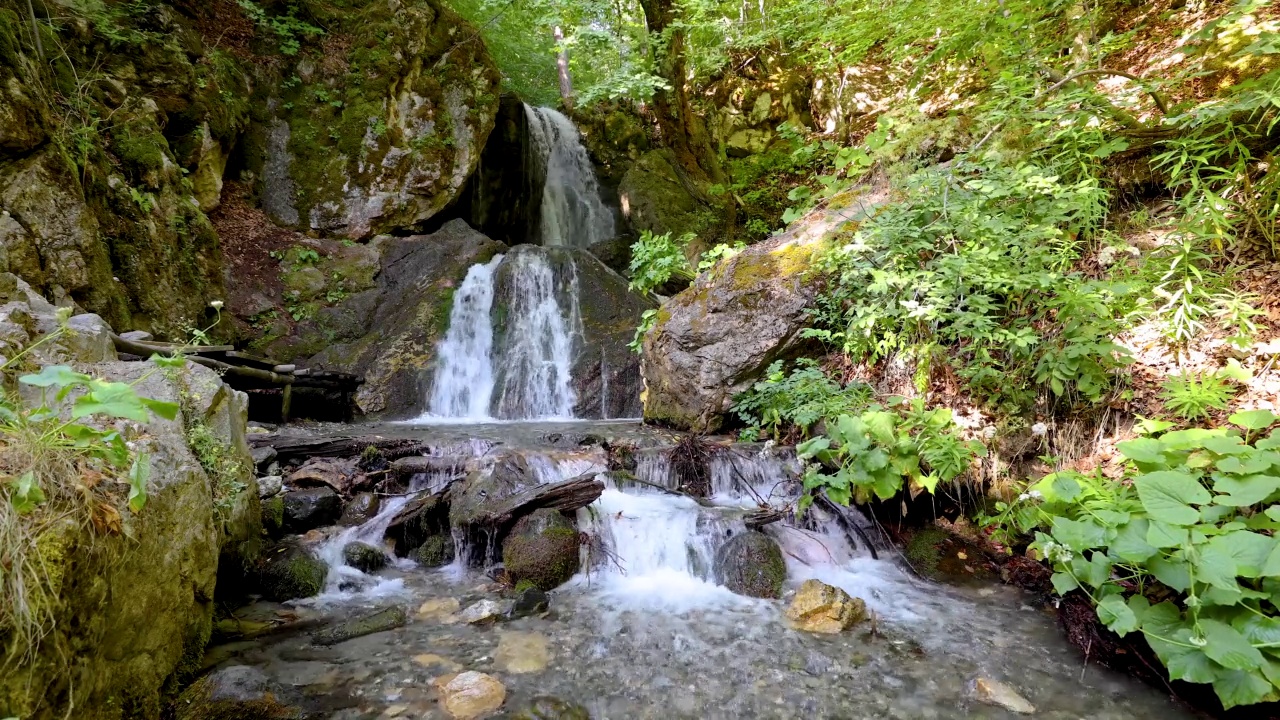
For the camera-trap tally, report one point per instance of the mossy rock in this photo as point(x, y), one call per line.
point(751, 564)
point(364, 557)
point(436, 551)
point(545, 707)
point(380, 621)
point(542, 550)
point(946, 557)
point(289, 571)
point(273, 516)
point(237, 692)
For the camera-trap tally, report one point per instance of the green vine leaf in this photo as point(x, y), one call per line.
point(139, 474)
point(1167, 496)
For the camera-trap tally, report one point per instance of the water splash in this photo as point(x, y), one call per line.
point(572, 212)
point(344, 581)
point(463, 383)
point(536, 354)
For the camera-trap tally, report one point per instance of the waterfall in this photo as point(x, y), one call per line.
point(464, 373)
point(572, 212)
point(537, 349)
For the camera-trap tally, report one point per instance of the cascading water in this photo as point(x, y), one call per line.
point(536, 355)
point(572, 211)
point(464, 377)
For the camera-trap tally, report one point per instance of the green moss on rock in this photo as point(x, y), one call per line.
point(289, 572)
point(437, 551)
point(542, 549)
point(751, 564)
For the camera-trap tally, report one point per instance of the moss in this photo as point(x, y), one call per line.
point(542, 549)
point(436, 551)
point(139, 146)
point(273, 515)
point(226, 469)
point(290, 572)
point(939, 555)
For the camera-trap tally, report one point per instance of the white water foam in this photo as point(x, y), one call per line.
point(345, 582)
point(572, 211)
point(533, 364)
point(463, 383)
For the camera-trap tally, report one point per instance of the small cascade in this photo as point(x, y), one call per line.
point(464, 375)
point(343, 578)
point(534, 361)
point(572, 211)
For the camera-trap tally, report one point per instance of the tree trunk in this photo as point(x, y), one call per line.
point(562, 66)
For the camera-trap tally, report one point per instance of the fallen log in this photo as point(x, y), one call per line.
point(565, 496)
point(289, 449)
point(407, 467)
point(757, 519)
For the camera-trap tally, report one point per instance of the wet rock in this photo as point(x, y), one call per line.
point(336, 474)
point(439, 609)
point(425, 516)
point(138, 336)
point(715, 339)
point(360, 510)
point(435, 551)
point(470, 694)
point(545, 707)
point(542, 550)
point(263, 456)
point(529, 601)
point(270, 486)
point(387, 619)
point(483, 612)
point(289, 571)
point(311, 508)
point(432, 660)
point(994, 692)
point(522, 652)
point(364, 557)
point(237, 692)
point(821, 608)
point(273, 516)
point(751, 564)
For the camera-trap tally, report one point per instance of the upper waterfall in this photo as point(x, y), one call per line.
point(572, 212)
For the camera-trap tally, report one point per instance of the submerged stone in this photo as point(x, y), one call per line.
point(387, 619)
point(310, 508)
point(994, 692)
point(545, 707)
point(238, 692)
point(522, 652)
point(751, 564)
point(364, 557)
point(529, 601)
point(542, 550)
point(470, 694)
point(821, 608)
point(360, 510)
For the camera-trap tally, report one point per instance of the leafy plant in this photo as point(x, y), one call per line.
point(657, 259)
point(1184, 552)
point(289, 29)
point(799, 399)
point(1193, 396)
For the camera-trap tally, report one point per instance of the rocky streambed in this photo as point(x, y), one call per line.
point(643, 629)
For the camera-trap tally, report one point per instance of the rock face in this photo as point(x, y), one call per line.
point(289, 571)
point(237, 692)
point(360, 509)
point(135, 608)
point(384, 135)
point(751, 564)
point(542, 550)
point(364, 557)
point(821, 608)
point(653, 198)
point(310, 508)
point(388, 334)
point(715, 339)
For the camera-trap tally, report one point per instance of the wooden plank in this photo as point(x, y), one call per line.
point(286, 400)
point(235, 357)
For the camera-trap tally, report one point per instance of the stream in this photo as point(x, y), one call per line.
point(642, 632)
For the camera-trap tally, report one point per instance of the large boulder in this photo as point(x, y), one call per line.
point(388, 334)
point(310, 508)
point(656, 198)
point(290, 571)
point(542, 550)
point(716, 338)
point(380, 132)
point(236, 692)
point(751, 564)
point(132, 610)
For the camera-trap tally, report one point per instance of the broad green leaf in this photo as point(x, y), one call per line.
point(1240, 687)
point(1164, 535)
point(1271, 568)
point(1248, 465)
point(813, 446)
point(1228, 647)
point(1167, 495)
point(880, 425)
point(1258, 630)
point(1226, 445)
point(1143, 450)
point(25, 494)
point(1078, 534)
point(1065, 487)
point(1188, 439)
point(1248, 550)
point(1116, 615)
point(166, 361)
point(1111, 518)
point(1216, 568)
point(1254, 419)
point(1166, 631)
point(1244, 491)
point(138, 476)
point(1193, 666)
point(839, 496)
point(1130, 543)
point(113, 399)
point(166, 410)
point(1173, 572)
point(1273, 512)
point(59, 376)
point(1064, 583)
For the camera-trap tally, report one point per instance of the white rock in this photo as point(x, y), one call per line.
point(270, 486)
point(470, 694)
point(994, 692)
point(484, 611)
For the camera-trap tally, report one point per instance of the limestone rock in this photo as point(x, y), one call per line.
point(439, 609)
point(269, 486)
point(715, 339)
point(237, 692)
point(542, 550)
point(751, 564)
point(88, 338)
point(470, 694)
point(364, 557)
point(522, 652)
point(482, 612)
point(364, 152)
point(653, 197)
point(311, 508)
point(289, 571)
point(138, 336)
point(748, 142)
point(821, 608)
point(994, 692)
point(360, 509)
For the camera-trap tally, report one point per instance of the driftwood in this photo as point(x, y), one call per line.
point(564, 496)
point(757, 519)
point(407, 467)
point(290, 449)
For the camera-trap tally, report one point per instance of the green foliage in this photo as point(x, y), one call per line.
point(1198, 521)
point(657, 259)
point(1193, 396)
point(290, 31)
point(882, 451)
point(797, 399)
